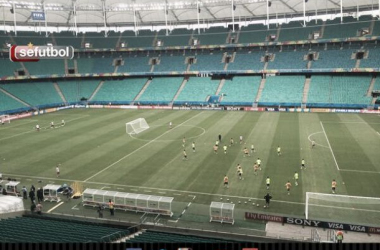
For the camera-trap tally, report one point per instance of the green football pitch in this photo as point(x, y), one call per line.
point(94, 148)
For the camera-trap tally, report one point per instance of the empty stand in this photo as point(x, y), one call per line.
point(74, 91)
point(204, 62)
point(246, 60)
point(34, 93)
point(197, 89)
point(213, 35)
point(241, 89)
point(96, 64)
point(120, 91)
point(9, 103)
point(288, 60)
point(256, 33)
point(334, 59)
point(161, 90)
point(171, 62)
point(283, 89)
point(294, 31)
point(38, 230)
point(46, 67)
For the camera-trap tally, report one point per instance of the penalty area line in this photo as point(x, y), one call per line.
point(328, 142)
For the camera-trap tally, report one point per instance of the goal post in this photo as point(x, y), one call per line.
point(5, 119)
point(342, 208)
point(136, 126)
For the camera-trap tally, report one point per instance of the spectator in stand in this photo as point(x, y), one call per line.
point(32, 195)
point(339, 236)
point(39, 208)
point(24, 193)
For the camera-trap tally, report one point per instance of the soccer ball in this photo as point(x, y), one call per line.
point(239, 202)
point(265, 206)
point(245, 202)
point(249, 200)
point(258, 205)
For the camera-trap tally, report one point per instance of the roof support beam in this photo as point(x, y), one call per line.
point(250, 12)
point(208, 10)
point(334, 3)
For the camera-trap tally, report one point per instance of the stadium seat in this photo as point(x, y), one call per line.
point(241, 89)
point(197, 89)
point(161, 90)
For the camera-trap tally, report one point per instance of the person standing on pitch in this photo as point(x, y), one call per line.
point(267, 182)
point(296, 178)
point(220, 138)
point(111, 207)
point(267, 199)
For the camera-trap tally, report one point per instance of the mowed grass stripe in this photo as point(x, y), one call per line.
point(211, 167)
point(120, 163)
point(348, 152)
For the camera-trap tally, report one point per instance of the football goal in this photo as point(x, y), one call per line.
point(5, 119)
point(343, 208)
point(136, 126)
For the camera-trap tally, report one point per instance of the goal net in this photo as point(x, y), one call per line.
point(137, 126)
point(343, 208)
point(5, 119)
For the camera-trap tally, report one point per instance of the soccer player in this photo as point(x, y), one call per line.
point(193, 146)
point(217, 143)
point(252, 149)
point(225, 181)
point(240, 173)
point(296, 178)
point(303, 166)
point(312, 144)
point(231, 141)
point(255, 168)
point(57, 169)
point(288, 185)
point(220, 138)
point(267, 199)
point(258, 162)
point(268, 182)
point(183, 142)
point(333, 186)
point(241, 139)
point(2, 122)
point(184, 154)
point(170, 125)
point(63, 123)
point(38, 128)
point(225, 149)
point(216, 149)
point(279, 151)
point(246, 152)
point(52, 125)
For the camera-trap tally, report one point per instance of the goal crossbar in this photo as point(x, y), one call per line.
point(136, 126)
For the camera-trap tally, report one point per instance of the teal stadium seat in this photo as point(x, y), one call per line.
point(8, 103)
point(46, 67)
point(295, 31)
point(8, 68)
point(23, 229)
point(241, 89)
point(178, 37)
point(34, 93)
point(373, 60)
point(143, 39)
point(161, 89)
point(334, 59)
point(73, 91)
point(349, 27)
point(212, 36)
point(197, 89)
point(68, 39)
point(135, 64)
point(283, 89)
point(98, 40)
point(95, 64)
point(339, 89)
point(24, 38)
point(171, 62)
point(247, 61)
point(208, 62)
point(288, 60)
point(121, 91)
point(256, 33)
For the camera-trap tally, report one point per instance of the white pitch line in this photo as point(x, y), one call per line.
point(378, 133)
point(136, 150)
point(360, 171)
point(13, 126)
point(316, 143)
point(75, 207)
point(33, 130)
point(105, 187)
point(55, 207)
point(328, 142)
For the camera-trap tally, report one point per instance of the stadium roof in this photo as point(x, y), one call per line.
point(152, 12)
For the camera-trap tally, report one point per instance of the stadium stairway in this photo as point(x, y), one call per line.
point(371, 85)
point(179, 90)
point(221, 84)
point(141, 91)
point(56, 86)
point(96, 90)
point(262, 85)
point(306, 90)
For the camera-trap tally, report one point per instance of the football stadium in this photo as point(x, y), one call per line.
point(186, 122)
